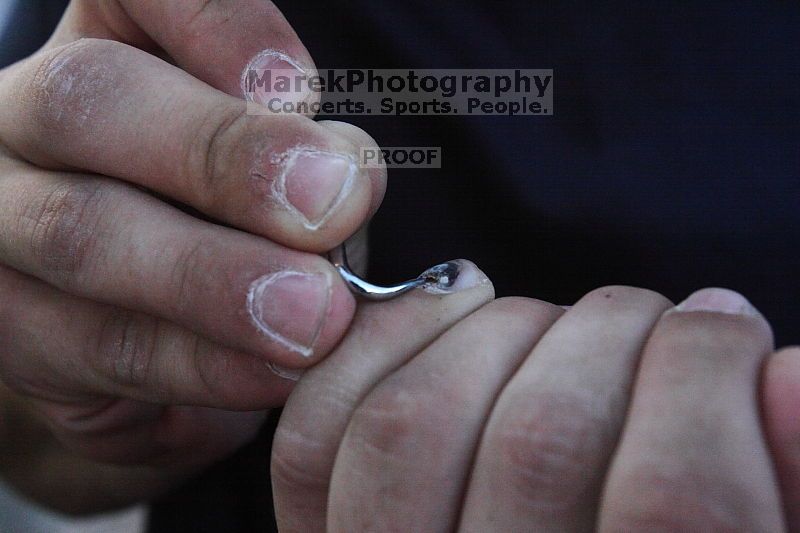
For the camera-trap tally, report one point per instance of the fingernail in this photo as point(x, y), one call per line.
point(290, 308)
point(262, 78)
point(717, 301)
point(286, 373)
point(313, 183)
point(454, 276)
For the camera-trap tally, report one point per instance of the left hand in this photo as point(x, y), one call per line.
point(623, 413)
point(135, 337)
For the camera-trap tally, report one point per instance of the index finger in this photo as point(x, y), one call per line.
point(217, 42)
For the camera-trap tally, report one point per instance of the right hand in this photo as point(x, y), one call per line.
point(115, 304)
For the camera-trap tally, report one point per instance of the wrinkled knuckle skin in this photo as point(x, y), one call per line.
point(68, 80)
point(543, 443)
point(297, 464)
point(188, 273)
point(200, 10)
point(63, 228)
point(212, 366)
point(388, 422)
point(125, 348)
point(207, 17)
point(302, 452)
point(213, 150)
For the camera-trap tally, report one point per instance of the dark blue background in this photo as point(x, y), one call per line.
point(672, 161)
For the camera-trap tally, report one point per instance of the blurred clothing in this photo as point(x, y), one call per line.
point(25, 25)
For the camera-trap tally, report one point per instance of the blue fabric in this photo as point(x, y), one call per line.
point(672, 160)
point(25, 25)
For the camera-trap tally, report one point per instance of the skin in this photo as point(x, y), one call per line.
point(622, 413)
point(131, 357)
point(130, 328)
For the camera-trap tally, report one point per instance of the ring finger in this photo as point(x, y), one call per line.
point(551, 434)
point(693, 456)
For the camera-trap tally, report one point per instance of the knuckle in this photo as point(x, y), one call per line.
point(66, 82)
point(298, 461)
point(62, 228)
point(213, 365)
point(125, 348)
point(213, 149)
point(303, 452)
point(189, 271)
point(229, 143)
point(203, 17)
point(388, 422)
point(545, 442)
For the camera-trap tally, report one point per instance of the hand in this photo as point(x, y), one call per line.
point(623, 413)
point(115, 304)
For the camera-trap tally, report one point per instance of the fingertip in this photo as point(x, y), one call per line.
point(717, 300)
point(456, 276)
point(279, 83)
point(361, 141)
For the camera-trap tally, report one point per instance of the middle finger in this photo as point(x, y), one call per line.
point(408, 449)
point(118, 111)
point(105, 241)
